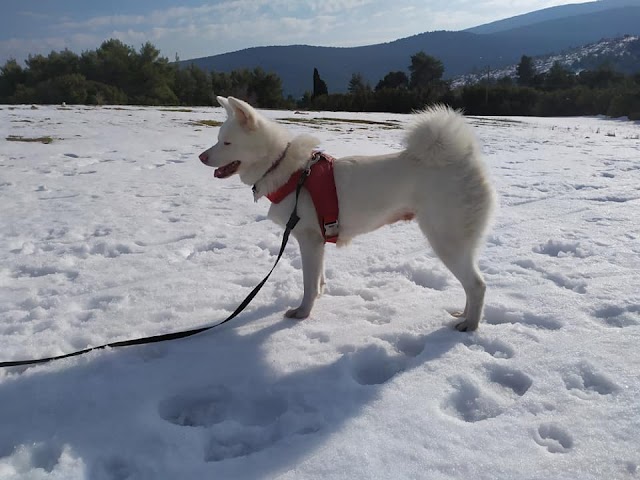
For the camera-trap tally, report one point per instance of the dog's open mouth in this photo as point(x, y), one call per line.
point(227, 170)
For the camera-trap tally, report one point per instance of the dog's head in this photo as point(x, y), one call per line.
point(244, 142)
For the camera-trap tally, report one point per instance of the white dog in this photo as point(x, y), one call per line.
point(438, 179)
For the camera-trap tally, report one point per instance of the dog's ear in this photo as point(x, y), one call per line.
point(225, 103)
point(245, 114)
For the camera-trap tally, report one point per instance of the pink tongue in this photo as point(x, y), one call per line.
point(227, 170)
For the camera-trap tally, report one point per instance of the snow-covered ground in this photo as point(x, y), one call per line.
point(115, 230)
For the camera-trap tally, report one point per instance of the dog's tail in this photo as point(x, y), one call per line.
point(440, 136)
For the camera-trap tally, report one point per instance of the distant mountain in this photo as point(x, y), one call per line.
point(460, 52)
point(552, 13)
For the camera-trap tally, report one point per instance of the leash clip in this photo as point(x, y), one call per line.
point(316, 156)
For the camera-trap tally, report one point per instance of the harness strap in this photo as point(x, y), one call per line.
point(322, 188)
point(293, 221)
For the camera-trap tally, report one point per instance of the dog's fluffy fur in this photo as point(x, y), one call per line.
point(439, 180)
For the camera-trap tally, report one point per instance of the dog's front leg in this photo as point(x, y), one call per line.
point(312, 253)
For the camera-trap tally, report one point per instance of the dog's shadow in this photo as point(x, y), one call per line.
point(209, 405)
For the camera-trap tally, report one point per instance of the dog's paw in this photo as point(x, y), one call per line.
point(466, 326)
point(298, 313)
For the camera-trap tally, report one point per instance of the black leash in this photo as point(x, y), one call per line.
point(293, 221)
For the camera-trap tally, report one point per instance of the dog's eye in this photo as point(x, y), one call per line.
point(227, 143)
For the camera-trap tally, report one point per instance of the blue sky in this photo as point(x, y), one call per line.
point(197, 28)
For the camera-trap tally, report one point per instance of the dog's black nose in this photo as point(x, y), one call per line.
point(204, 157)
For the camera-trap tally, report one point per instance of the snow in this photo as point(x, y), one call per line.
point(115, 230)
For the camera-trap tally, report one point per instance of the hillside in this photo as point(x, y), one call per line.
point(552, 13)
point(461, 52)
point(623, 54)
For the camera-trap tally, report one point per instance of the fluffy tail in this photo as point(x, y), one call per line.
point(440, 136)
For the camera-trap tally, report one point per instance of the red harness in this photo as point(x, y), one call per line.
point(321, 186)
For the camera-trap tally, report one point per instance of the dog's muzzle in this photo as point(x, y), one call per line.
point(204, 158)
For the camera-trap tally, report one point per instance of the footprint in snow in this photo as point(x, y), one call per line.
point(374, 366)
point(555, 438)
point(239, 424)
point(585, 382)
point(619, 317)
point(420, 272)
point(474, 400)
point(563, 281)
point(204, 409)
point(318, 336)
point(378, 314)
point(561, 248)
point(495, 348)
point(410, 345)
point(469, 403)
point(510, 379)
point(498, 315)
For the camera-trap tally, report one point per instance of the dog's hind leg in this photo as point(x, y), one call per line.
point(458, 255)
point(312, 253)
point(464, 268)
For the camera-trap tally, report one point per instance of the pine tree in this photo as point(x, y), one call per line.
point(425, 71)
point(357, 84)
point(525, 71)
point(319, 86)
point(397, 79)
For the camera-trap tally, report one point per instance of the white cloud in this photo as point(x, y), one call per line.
point(221, 12)
point(111, 21)
point(33, 15)
point(336, 6)
point(20, 48)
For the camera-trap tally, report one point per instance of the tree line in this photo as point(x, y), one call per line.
point(557, 92)
point(116, 73)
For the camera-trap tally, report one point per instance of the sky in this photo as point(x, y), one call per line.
point(196, 28)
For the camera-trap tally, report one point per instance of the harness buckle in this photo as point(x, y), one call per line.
point(331, 229)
